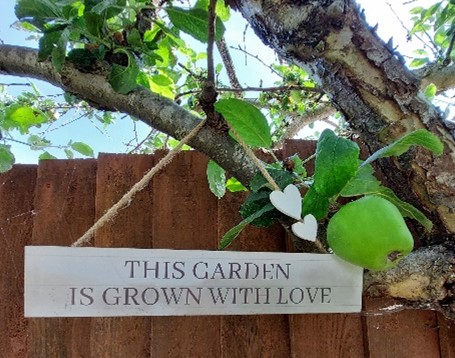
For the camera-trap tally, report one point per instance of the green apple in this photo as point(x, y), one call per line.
point(370, 232)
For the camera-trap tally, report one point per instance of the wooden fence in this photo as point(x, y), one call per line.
point(55, 202)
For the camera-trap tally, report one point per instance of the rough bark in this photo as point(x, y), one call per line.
point(443, 77)
point(369, 84)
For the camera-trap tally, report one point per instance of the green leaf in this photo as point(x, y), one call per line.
point(299, 168)
point(363, 183)
point(430, 91)
point(236, 230)
point(37, 12)
point(406, 209)
point(22, 117)
point(134, 38)
point(222, 10)
point(247, 120)
point(315, 204)
point(281, 177)
point(37, 143)
point(194, 22)
point(46, 155)
point(69, 153)
point(123, 79)
point(94, 23)
point(255, 202)
point(420, 137)
point(418, 62)
point(337, 160)
point(216, 177)
point(107, 8)
point(6, 158)
point(82, 148)
point(47, 44)
point(233, 185)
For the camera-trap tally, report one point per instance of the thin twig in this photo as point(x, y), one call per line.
point(271, 89)
point(228, 64)
point(195, 75)
point(435, 53)
point(142, 141)
point(258, 59)
point(447, 59)
point(210, 42)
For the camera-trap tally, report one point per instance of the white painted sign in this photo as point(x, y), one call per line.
point(103, 282)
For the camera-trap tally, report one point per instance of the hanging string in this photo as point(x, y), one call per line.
point(255, 159)
point(266, 174)
point(126, 199)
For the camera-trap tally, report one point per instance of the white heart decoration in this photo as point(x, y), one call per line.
point(289, 201)
point(306, 230)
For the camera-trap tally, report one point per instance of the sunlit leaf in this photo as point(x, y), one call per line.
point(6, 158)
point(420, 137)
point(82, 148)
point(216, 177)
point(194, 22)
point(247, 120)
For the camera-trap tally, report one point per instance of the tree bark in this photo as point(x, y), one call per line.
point(370, 85)
point(154, 110)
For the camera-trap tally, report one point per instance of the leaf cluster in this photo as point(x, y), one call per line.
point(339, 172)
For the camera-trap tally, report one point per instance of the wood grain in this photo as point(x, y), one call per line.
point(409, 333)
point(132, 227)
point(258, 335)
point(185, 217)
point(16, 223)
point(446, 337)
point(64, 208)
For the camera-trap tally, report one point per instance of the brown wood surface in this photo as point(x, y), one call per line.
point(64, 208)
point(256, 335)
point(132, 227)
point(446, 337)
point(16, 218)
point(175, 211)
point(185, 217)
point(409, 333)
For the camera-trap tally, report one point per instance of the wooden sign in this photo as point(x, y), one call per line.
point(103, 282)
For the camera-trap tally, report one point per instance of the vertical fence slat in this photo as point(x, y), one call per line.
point(132, 227)
point(410, 333)
point(17, 188)
point(185, 218)
point(64, 209)
point(322, 335)
point(446, 337)
point(255, 335)
point(326, 335)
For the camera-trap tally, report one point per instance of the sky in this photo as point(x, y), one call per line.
point(250, 73)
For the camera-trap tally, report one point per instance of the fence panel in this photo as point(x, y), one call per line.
point(175, 211)
point(64, 208)
point(16, 219)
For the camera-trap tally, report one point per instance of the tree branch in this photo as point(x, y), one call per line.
point(375, 92)
point(154, 110)
point(442, 76)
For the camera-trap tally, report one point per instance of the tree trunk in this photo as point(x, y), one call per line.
point(369, 84)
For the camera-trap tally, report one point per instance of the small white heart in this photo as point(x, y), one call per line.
point(306, 230)
point(289, 201)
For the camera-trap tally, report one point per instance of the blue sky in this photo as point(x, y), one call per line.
point(113, 138)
